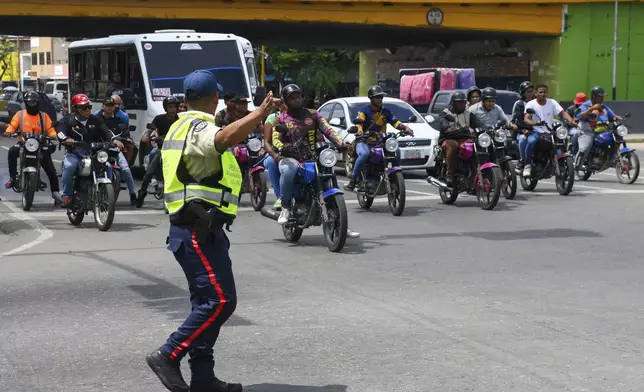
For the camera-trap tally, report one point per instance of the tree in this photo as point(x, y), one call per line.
point(7, 48)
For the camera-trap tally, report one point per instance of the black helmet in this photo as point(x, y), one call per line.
point(376, 91)
point(524, 86)
point(290, 89)
point(168, 100)
point(597, 91)
point(31, 96)
point(458, 97)
point(488, 93)
point(472, 90)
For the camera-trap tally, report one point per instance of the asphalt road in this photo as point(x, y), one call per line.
point(541, 294)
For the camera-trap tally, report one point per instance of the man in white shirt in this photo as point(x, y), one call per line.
point(545, 109)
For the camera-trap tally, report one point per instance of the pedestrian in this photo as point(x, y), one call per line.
point(202, 187)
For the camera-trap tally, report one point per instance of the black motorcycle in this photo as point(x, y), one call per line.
point(32, 148)
point(499, 154)
point(93, 189)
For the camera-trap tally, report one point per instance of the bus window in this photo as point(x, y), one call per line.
point(104, 76)
point(168, 63)
point(252, 73)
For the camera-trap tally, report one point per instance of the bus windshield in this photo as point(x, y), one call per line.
point(168, 63)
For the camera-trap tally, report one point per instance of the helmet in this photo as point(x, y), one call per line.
point(488, 93)
point(524, 86)
point(290, 89)
point(80, 99)
point(471, 90)
point(31, 96)
point(597, 91)
point(376, 91)
point(458, 97)
point(170, 99)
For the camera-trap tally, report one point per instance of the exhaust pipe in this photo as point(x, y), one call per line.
point(436, 182)
point(270, 213)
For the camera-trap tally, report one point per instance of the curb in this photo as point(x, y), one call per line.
point(635, 140)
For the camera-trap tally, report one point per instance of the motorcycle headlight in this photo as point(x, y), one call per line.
point(500, 136)
point(561, 133)
point(391, 145)
point(254, 145)
point(484, 140)
point(32, 145)
point(101, 156)
point(328, 158)
point(622, 130)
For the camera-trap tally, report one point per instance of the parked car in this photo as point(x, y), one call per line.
point(415, 152)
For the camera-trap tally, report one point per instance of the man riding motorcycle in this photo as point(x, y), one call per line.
point(456, 123)
point(80, 125)
point(593, 117)
point(526, 90)
point(31, 120)
point(119, 130)
point(488, 112)
point(573, 110)
point(229, 101)
point(375, 118)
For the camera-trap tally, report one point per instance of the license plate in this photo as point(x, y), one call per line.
point(414, 154)
point(31, 156)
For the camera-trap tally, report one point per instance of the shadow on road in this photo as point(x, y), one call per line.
point(294, 388)
point(503, 235)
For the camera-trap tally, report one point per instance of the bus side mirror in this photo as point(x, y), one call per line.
point(260, 95)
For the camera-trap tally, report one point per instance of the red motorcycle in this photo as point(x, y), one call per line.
point(251, 163)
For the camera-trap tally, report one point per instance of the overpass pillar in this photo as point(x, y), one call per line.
point(368, 71)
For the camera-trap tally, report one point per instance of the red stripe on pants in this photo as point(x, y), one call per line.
point(220, 294)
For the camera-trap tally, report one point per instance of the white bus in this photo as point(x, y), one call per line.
point(145, 68)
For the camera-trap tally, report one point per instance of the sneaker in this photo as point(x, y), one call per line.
point(67, 202)
point(277, 206)
point(284, 216)
point(9, 184)
point(527, 171)
point(58, 199)
point(351, 185)
point(352, 234)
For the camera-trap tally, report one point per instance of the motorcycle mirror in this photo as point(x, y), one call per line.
point(150, 126)
point(260, 95)
point(353, 129)
point(412, 119)
point(627, 115)
point(530, 111)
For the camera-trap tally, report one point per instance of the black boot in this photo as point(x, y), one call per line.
point(133, 199)
point(351, 185)
point(217, 386)
point(168, 371)
point(141, 198)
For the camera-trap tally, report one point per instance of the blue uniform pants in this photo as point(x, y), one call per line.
point(213, 295)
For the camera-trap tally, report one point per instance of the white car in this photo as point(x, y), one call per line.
point(415, 152)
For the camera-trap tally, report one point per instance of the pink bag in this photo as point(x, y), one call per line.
point(448, 79)
point(422, 89)
point(405, 87)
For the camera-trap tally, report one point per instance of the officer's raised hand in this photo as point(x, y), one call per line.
point(269, 105)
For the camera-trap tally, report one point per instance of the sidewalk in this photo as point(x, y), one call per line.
point(635, 138)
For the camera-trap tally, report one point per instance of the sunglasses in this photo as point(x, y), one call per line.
point(87, 107)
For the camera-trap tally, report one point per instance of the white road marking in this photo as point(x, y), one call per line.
point(43, 233)
point(5, 147)
point(575, 185)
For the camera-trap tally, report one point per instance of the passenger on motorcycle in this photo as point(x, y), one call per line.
point(473, 96)
point(229, 101)
point(456, 124)
point(375, 117)
point(487, 111)
point(80, 125)
point(573, 110)
point(593, 117)
point(118, 111)
point(270, 163)
point(297, 141)
point(526, 90)
point(119, 130)
point(162, 124)
point(545, 109)
point(31, 120)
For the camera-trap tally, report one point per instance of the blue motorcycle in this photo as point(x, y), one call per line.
point(317, 200)
point(610, 151)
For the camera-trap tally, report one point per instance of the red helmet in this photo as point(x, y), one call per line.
point(80, 99)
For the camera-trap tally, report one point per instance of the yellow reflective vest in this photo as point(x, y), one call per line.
point(220, 191)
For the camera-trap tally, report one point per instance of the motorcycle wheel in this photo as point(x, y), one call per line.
point(364, 201)
point(292, 233)
point(75, 216)
point(335, 230)
point(116, 180)
point(635, 167)
point(158, 190)
point(258, 190)
point(30, 185)
point(509, 186)
point(492, 177)
point(104, 207)
point(566, 180)
point(447, 196)
point(397, 196)
point(528, 184)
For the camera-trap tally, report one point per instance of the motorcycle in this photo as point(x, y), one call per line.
point(499, 154)
point(606, 153)
point(317, 200)
point(475, 173)
point(379, 176)
point(93, 189)
point(253, 173)
point(156, 185)
point(551, 159)
point(32, 148)
point(117, 178)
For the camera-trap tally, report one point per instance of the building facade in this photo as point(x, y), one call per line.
point(48, 58)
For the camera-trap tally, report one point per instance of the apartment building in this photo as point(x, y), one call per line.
point(48, 58)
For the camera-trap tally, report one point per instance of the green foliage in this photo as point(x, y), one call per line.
point(317, 70)
point(6, 49)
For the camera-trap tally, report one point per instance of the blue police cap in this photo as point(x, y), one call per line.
point(201, 84)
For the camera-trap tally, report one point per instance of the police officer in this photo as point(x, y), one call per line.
point(202, 187)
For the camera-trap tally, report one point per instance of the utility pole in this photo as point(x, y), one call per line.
point(263, 66)
point(615, 52)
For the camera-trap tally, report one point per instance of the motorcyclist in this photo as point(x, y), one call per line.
point(119, 130)
point(580, 98)
point(80, 125)
point(229, 101)
point(526, 90)
point(270, 162)
point(118, 109)
point(473, 96)
point(291, 136)
point(488, 112)
point(31, 119)
point(375, 118)
point(545, 109)
point(593, 117)
point(456, 123)
point(161, 124)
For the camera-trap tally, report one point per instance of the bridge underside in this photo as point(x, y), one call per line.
point(294, 34)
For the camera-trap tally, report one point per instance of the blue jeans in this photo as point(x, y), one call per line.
point(273, 174)
point(288, 173)
point(527, 145)
point(125, 171)
point(70, 167)
point(153, 153)
point(363, 151)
